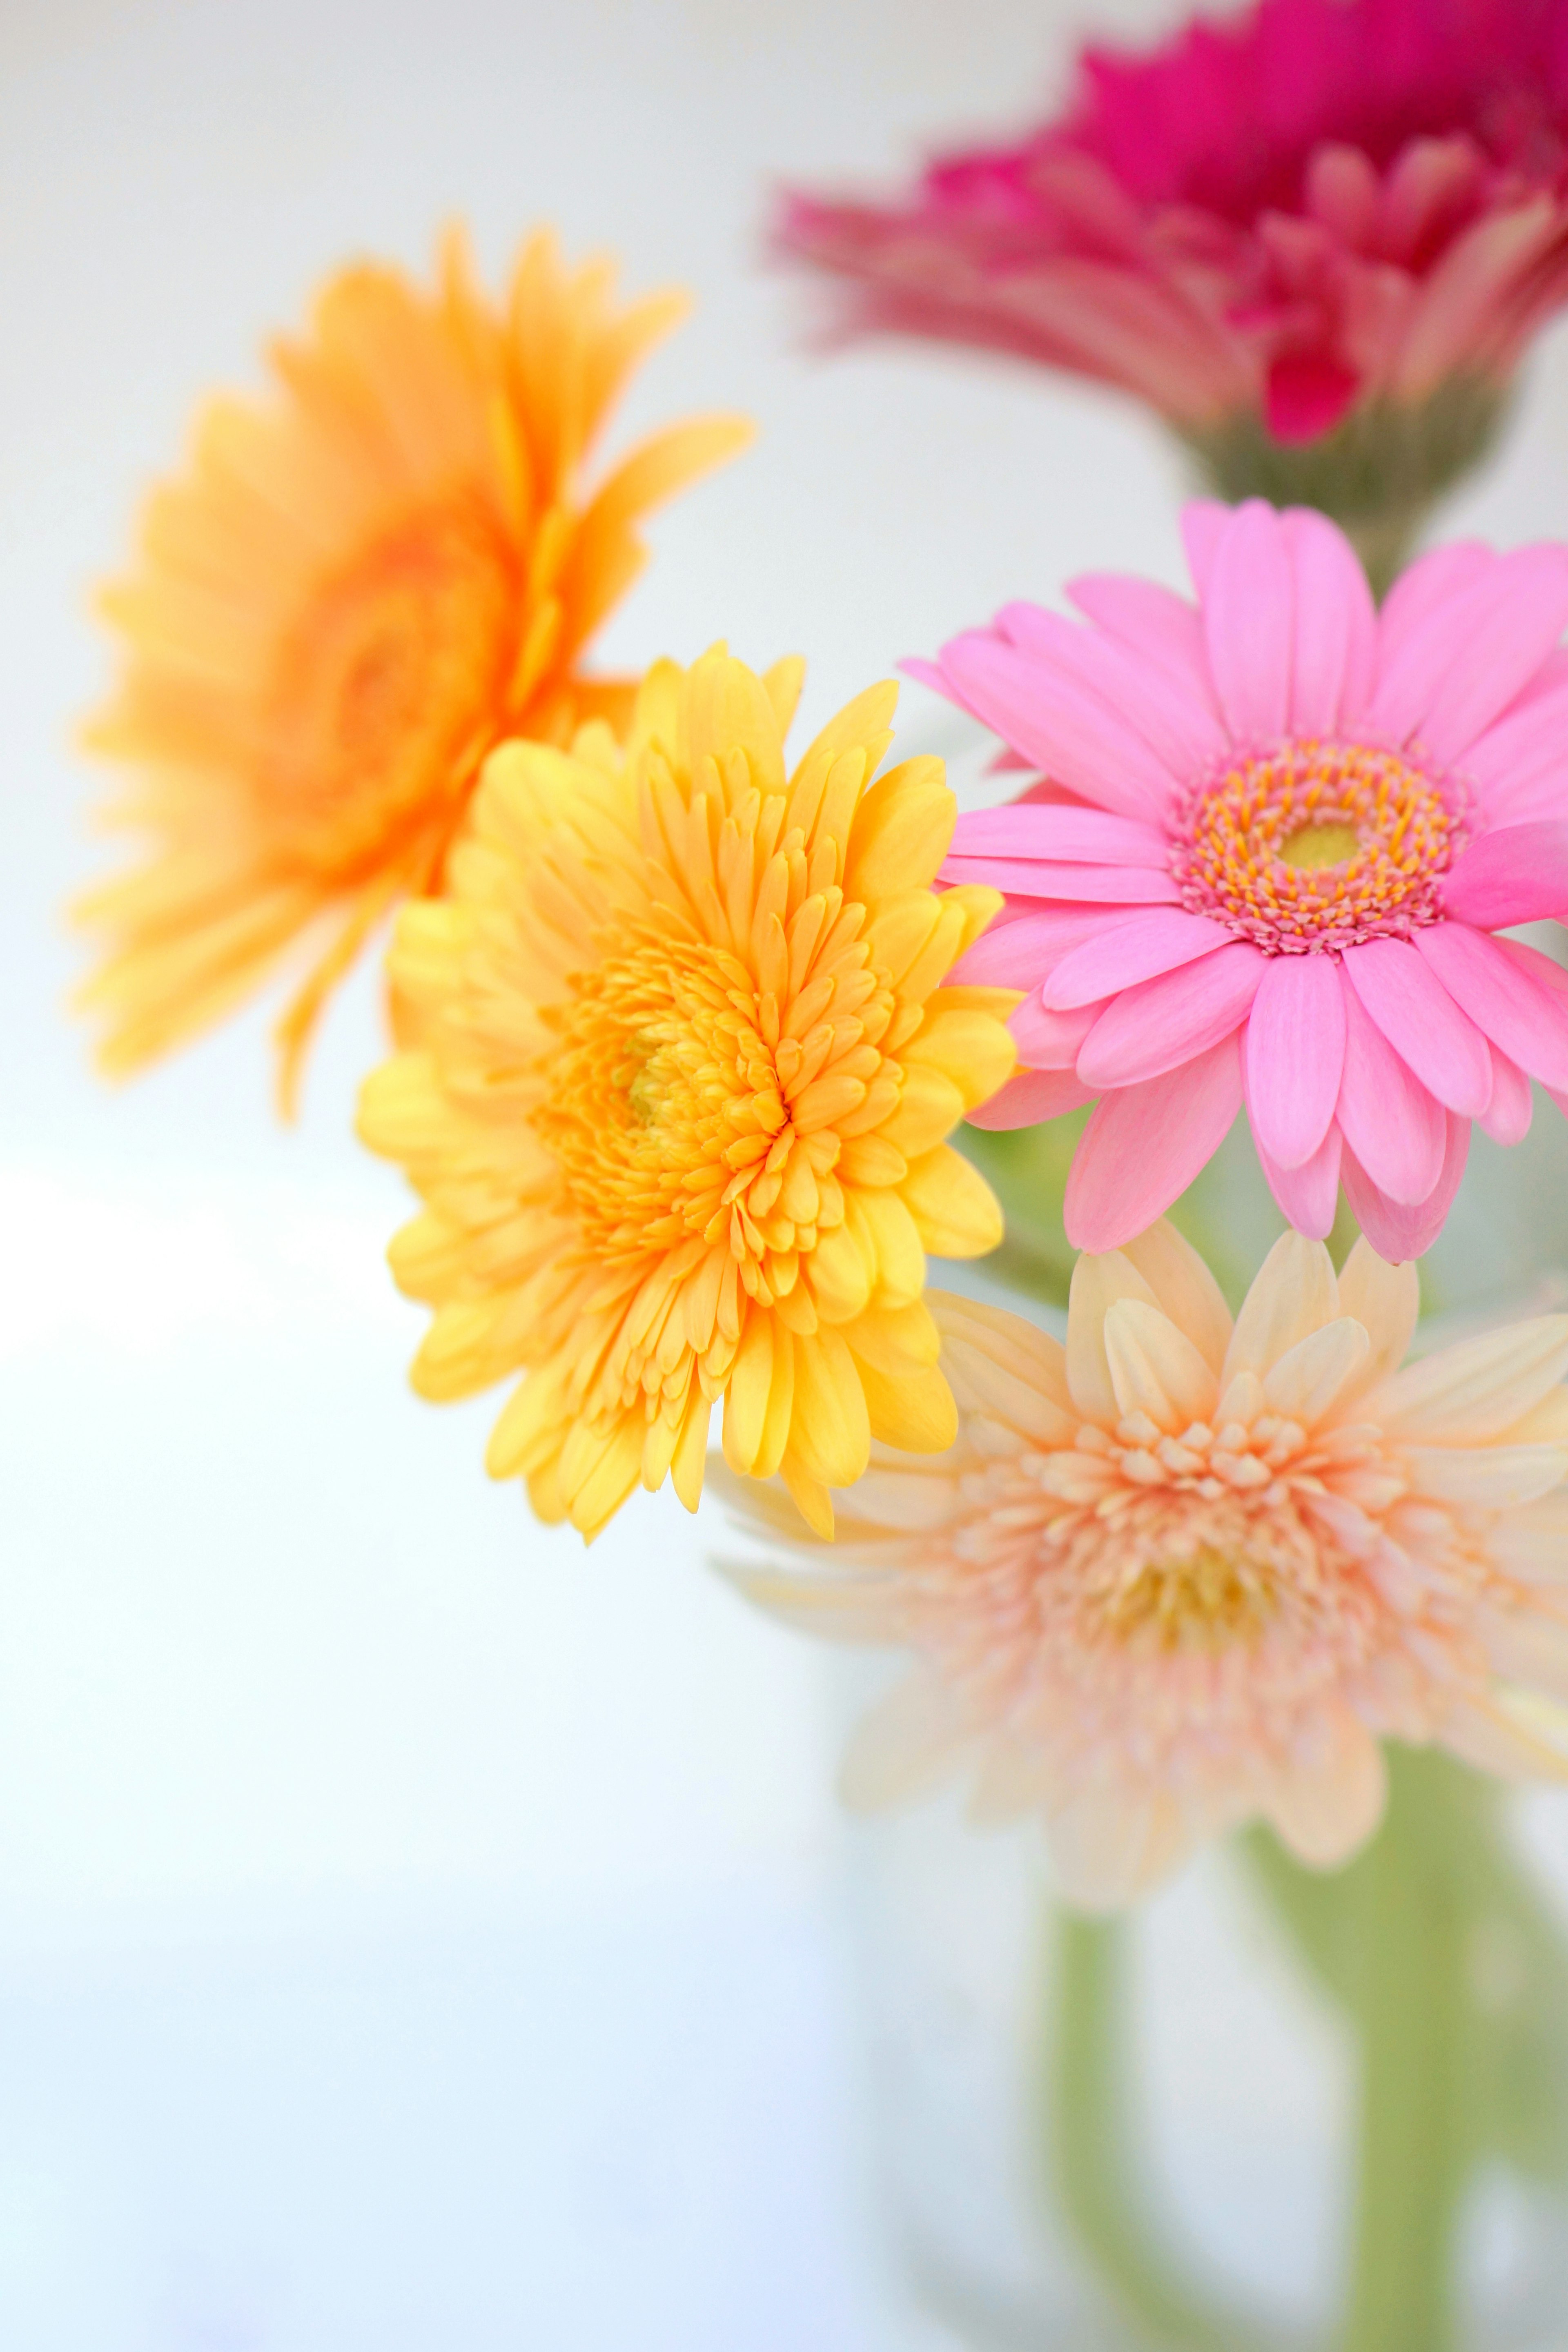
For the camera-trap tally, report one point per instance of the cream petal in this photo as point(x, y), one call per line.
point(983, 1386)
point(1488, 1477)
point(914, 1501)
point(1111, 1844)
point(1183, 1288)
point(1308, 1379)
point(1386, 1299)
point(1331, 1799)
point(1525, 1645)
point(1477, 1390)
point(911, 1741)
point(1512, 1733)
point(1294, 1292)
point(1155, 1368)
point(1014, 1779)
point(839, 1608)
point(1099, 1280)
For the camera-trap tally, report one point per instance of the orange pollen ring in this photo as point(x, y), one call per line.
point(1309, 846)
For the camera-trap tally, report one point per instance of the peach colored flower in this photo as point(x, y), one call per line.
point(1179, 1572)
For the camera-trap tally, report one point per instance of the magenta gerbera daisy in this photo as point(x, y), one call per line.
point(1281, 838)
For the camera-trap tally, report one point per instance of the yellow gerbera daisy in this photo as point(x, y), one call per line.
point(678, 1114)
point(351, 596)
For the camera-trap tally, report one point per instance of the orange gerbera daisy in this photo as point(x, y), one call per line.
point(686, 1063)
point(350, 597)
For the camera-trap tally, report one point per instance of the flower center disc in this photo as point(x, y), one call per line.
point(1311, 846)
point(389, 685)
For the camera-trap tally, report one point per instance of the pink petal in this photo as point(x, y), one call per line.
point(1018, 954)
point(1166, 1021)
point(1249, 604)
point(1048, 1040)
point(1335, 654)
point(1030, 1097)
point(1421, 589)
point(1397, 1232)
point(1522, 764)
point(1516, 875)
point(1507, 1116)
point(1060, 834)
point(1133, 950)
point(1077, 738)
point(1145, 1144)
point(1307, 1194)
point(1422, 1023)
point(1177, 722)
point(1295, 1055)
point(1390, 1122)
point(1205, 522)
point(1138, 886)
point(1473, 652)
point(1160, 627)
point(1505, 997)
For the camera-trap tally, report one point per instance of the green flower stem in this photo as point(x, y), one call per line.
point(1089, 2131)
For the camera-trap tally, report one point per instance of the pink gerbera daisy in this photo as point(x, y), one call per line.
point(1319, 213)
point(1280, 838)
point(1182, 1573)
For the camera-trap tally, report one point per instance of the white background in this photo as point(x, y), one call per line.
point(417, 1933)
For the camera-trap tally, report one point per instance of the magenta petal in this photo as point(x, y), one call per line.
point(1396, 1231)
point(1030, 1097)
point(1166, 1021)
point(1048, 1040)
point(1422, 1023)
point(1135, 949)
point(1507, 1116)
point(1020, 953)
point(1518, 1008)
point(1395, 1127)
point(1517, 875)
point(1145, 1144)
point(1160, 627)
point(1060, 834)
point(1335, 656)
point(1307, 395)
point(1295, 1053)
point(1248, 601)
point(1135, 885)
point(1309, 1194)
point(1067, 730)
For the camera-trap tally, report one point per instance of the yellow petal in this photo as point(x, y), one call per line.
point(914, 1410)
point(831, 1430)
point(955, 1209)
point(901, 831)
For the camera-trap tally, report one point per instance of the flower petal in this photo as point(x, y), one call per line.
point(1396, 1231)
point(1145, 1144)
point(1048, 1040)
point(1332, 1799)
point(1019, 951)
point(1473, 651)
point(1511, 1103)
point(1183, 1288)
point(1141, 886)
point(1163, 1022)
point(1389, 1120)
point(1248, 606)
point(1309, 1193)
point(1179, 725)
point(1335, 650)
point(1160, 626)
point(1475, 1390)
point(1069, 732)
point(1517, 875)
point(1293, 1293)
point(1414, 1011)
point(1155, 1368)
point(1030, 1097)
point(1295, 1057)
point(1385, 1300)
point(1305, 1383)
point(1504, 996)
point(1057, 833)
point(1126, 952)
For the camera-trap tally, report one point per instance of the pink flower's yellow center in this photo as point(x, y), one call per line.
point(389, 689)
point(1311, 846)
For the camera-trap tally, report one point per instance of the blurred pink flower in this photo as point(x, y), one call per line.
point(1318, 206)
point(1179, 1574)
point(1279, 835)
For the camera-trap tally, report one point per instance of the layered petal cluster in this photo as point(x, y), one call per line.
point(1318, 208)
point(688, 1059)
point(351, 594)
point(1182, 1573)
point(1281, 838)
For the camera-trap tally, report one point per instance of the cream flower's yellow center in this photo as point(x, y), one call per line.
point(677, 1111)
point(1312, 845)
point(1208, 1600)
point(388, 690)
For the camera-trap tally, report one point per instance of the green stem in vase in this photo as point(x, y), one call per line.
point(1090, 2136)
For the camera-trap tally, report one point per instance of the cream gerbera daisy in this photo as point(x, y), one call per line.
point(1180, 1573)
point(352, 596)
point(687, 1068)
